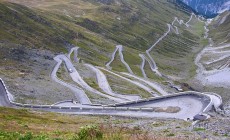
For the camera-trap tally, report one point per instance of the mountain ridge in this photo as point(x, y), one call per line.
point(208, 8)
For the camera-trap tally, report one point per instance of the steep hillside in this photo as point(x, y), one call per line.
point(33, 32)
point(112, 57)
point(214, 61)
point(220, 28)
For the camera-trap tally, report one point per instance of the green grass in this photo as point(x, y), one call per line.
point(21, 124)
point(175, 54)
point(199, 129)
point(220, 33)
point(123, 87)
point(198, 28)
point(98, 30)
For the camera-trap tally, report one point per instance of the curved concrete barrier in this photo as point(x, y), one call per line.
point(109, 108)
point(147, 109)
point(134, 109)
point(45, 106)
point(61, 102)
point(216, 99)
point(65, 107)
point(55, 107)
point(116, 109)
point(122, 108)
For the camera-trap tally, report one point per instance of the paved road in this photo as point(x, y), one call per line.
point(112, 59)
point(119, 48)
point(4, 101)
point(219, 47)
point(187, 23)
point(143, 66)
point(78, 79)
point(218, 77)
point(78, 92)
point(155, 68)
point(151, 84)
point(131, 81)
point(104, 85)
point(151, 64)
point(75, 50)
point(216, 99)
point(150, 49)
point(102, 82)
point(190, 104)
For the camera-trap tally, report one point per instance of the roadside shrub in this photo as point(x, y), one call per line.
point(19, 136)
point(89, 132)
point(199, 129)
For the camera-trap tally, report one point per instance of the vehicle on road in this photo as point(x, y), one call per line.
point(70, 70)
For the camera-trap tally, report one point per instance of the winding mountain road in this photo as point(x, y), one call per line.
point(152, 65)
point(131, 81)
point(143, 65)
point(4, 98)
point(75, 50)
point(151, 84)
point(189, 104)
point(78, 92)
point(112, 59)
point(217, 76)
point(104, 85)
point(170, 27)
point(187, 23)
point(120, 49)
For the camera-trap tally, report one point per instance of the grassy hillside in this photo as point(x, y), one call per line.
point(220, 28)
point(21, 124)
point(33, 32)
point(27, 125)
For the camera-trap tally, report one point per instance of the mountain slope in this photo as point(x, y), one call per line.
point(220, 28)
point(34, 32)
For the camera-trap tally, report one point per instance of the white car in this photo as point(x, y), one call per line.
point(70, 70)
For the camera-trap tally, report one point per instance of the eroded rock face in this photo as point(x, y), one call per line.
point(208, 8)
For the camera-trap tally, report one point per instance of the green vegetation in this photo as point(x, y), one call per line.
point(175, 54)
point(170, 135)
point(90, 132)
point(21, 124)
point(220, 32)
point(96, 27)
point(199, 129)
point(124, 87)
